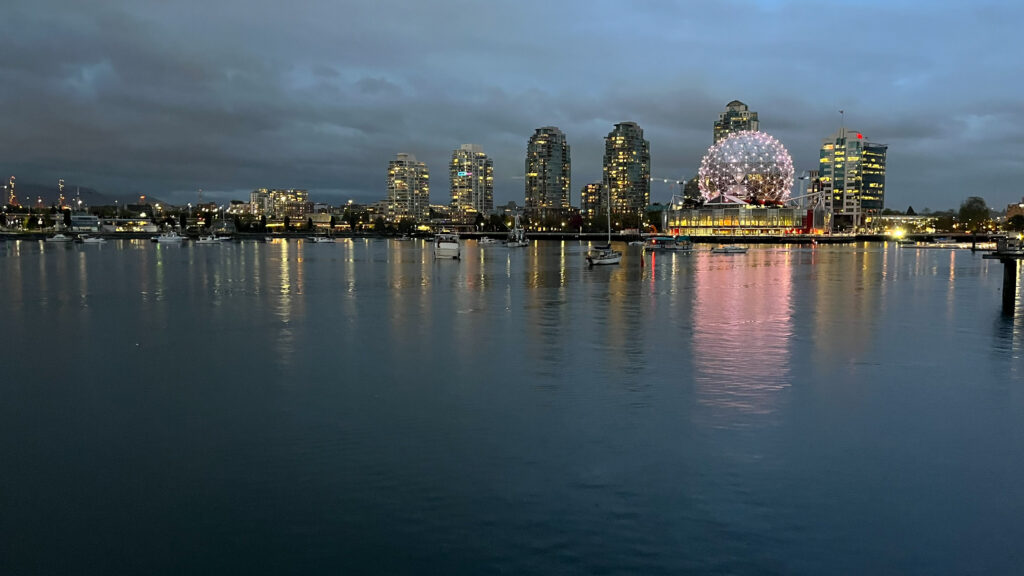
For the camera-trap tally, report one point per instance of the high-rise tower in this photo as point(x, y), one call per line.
point(472, 180)
point(736, 118)
point(408, 189)
point(592, 200)
point(627, 168)
point(852, 174)
point(548, 173)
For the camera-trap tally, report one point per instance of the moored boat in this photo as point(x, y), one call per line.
point(87, 239)
point(446, 245)
point(604, 255)
point(170, 237)
point(58, 237)
point(668, 244)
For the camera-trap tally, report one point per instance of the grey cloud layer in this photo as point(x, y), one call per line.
point(166, 97)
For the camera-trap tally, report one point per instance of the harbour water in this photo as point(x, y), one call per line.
point(360, 408)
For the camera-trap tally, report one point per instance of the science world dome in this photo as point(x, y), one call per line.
point(747, 167)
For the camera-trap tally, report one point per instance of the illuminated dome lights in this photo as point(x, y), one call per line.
point(747, 167)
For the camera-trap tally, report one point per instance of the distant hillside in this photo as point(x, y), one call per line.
point(29, 193)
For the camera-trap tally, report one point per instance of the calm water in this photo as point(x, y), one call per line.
point(359, 408)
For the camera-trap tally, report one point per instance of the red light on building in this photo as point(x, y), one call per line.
point(859, 136)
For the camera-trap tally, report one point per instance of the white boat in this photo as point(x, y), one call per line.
point(208, 239)
point(404, 238)
point(321, 239)
point(446, 245)
point(637, 243)
point(170, 237)
point(668, 244)
point(87, 239)
point(729, 249)
point(486, 240)
point(59, 238)
point(604, 255)
point(517, 235)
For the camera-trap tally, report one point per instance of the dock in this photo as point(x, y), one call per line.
point(1009, 251)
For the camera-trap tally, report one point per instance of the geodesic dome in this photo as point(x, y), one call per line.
point(747, 166)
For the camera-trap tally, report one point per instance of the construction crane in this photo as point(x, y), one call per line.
point(674, 185)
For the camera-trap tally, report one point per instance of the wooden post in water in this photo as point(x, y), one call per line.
point(1009, 285)
point(1008, 251)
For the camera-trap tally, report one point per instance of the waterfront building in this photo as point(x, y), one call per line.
point(548, 171)
point(84, 222)
point(592, 201)
point(852, 176)
point(627, 168)
point(408, 189)
point(1015, 209)
point(471, 174)
point(288, 202)
point(736, 118)
point(736, 220)
point(259, 202)
point(12, 197)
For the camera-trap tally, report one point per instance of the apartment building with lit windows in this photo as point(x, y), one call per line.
point(408, 194)
point(592, 201)
point(548, 173)
point(471, 175)
point(736, 118)
point(627, 168)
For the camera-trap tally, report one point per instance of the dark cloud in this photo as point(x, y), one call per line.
point(166, 98)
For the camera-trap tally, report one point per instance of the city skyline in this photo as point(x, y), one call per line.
point(149, 99)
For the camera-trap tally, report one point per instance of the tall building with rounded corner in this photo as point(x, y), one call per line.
point(736, 118)
point(408, 189)
point(548, 173)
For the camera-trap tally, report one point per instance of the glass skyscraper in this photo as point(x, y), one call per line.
point(852, 175)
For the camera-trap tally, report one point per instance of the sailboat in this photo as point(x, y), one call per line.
point(599, 255)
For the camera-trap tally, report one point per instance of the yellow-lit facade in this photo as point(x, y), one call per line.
point(736, 118)
point(471, 174)
point(592, 201)
point(852, 178)
point(408, 189)
point(548, 173)
point(627, 168)
point(739, 220)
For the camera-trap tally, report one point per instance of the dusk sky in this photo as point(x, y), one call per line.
point(165, 98)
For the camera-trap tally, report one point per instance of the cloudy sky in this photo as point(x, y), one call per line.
point(165, 98)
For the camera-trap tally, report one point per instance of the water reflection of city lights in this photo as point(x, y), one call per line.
point(741, 337)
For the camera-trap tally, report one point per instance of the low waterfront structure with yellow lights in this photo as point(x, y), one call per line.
point(738, 220)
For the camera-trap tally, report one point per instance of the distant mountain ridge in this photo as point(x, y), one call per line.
point(29, 193)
